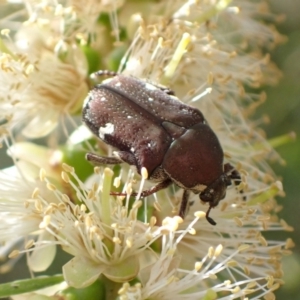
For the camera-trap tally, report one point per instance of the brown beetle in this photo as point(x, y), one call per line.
point(152, 128)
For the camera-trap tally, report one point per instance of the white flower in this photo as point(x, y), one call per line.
point(104, 236)
point(206, 51)
point(18, 222)
point(217, 273)
point(37, 92)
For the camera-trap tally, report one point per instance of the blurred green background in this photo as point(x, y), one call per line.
point(283, 109)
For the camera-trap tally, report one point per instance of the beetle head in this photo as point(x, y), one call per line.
point(214, 193)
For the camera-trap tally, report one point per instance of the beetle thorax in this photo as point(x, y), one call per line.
point(195, 160)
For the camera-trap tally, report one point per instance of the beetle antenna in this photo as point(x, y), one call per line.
point(208, 218)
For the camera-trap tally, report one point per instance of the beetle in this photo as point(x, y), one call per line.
point(152, 128)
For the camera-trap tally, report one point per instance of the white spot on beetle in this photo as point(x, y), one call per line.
point(150, 87)
point(151, 144)
point(108, 129)
point(118, 84)
point(132, 149)
point(103, 99)
point(150, 99)
point(129, 117)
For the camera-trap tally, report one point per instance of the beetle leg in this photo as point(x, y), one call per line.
point(234, 175)
point(168, 91)
point(121, 157)
point(165, 89)
point(208, 218)
point(154, 189)
point(127, 157)
point(105, 73)
point(102, 160)
point(184, 205)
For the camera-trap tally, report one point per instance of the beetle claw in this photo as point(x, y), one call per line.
point(208, 218)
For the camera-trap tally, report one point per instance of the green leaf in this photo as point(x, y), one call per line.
point(28, 285)
point(93, 58)
point(274, 190)
point(76, 158)
point(115, 57)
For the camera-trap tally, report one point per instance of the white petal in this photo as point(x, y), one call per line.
point(81, 134)
point(80, 272)
point(41, 258)
point(125, 271)
point(42, 124)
